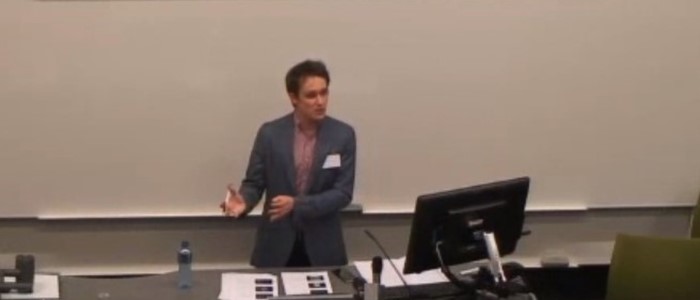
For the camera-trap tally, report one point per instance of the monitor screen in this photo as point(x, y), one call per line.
point(458, 218)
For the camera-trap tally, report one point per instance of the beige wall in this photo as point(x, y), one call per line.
point(113, 108)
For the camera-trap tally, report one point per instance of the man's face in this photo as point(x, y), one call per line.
point(311, 101)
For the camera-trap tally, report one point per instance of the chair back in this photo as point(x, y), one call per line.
point(654, 268)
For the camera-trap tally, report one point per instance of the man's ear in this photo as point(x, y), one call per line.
point(293, 99)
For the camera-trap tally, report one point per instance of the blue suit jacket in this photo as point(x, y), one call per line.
point(271, 171)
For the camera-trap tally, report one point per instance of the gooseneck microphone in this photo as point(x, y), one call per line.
point(377, 265)
point(393, 266)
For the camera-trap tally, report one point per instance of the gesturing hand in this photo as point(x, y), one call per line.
point(281, 206)
point(234, 205)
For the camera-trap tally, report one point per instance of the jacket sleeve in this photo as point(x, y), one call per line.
point(254, 183)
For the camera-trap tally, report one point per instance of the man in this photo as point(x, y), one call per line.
point(304, 163)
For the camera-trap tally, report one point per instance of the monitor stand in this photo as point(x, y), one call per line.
point(491, 281)
point(495, 265)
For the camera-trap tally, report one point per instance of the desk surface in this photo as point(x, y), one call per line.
point(206, 285)
point(582, 283)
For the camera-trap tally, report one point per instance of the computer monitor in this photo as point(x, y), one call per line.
point(456, 221)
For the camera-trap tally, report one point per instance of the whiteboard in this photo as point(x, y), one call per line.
point(118, 108)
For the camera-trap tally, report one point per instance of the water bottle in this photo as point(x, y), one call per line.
point(184, 261)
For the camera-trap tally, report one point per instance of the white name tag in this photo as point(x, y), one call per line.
point(332, 161)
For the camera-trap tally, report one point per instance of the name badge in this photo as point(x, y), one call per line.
point(332, 161)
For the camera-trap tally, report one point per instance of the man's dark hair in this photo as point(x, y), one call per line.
point(299, 72)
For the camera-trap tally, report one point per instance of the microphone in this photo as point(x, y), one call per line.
point(377, 265)
point(386, 255)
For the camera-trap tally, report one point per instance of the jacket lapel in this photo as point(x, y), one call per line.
point(288, 145)
point(320, 152)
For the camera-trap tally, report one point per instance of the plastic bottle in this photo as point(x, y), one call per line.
point(184, 261)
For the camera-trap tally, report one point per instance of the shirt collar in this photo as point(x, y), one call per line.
point(306, 131)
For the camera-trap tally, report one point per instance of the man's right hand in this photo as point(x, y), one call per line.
point(234, 205)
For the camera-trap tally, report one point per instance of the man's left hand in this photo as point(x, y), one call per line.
point(281, 206)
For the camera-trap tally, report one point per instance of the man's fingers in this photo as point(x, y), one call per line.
point(279, 201)
point(237, 200)
point(224, 207)
point(277, 215)
point(232, 189)
point(235, 206)
point(279, 207)
point(234, 212)
point(227, 210)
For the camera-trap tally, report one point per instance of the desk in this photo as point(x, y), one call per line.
point(575, 283)
point(581, 283)
point(206, 286)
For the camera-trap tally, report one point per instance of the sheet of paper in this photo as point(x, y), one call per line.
point(45, 287)
point(389, 277)
point(306, 283)
point(247, 286)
